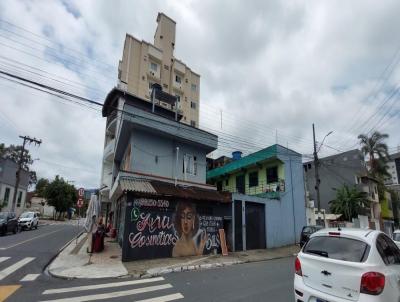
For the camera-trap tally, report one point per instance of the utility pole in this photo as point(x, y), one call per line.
point(20, 162)
point(317, 180)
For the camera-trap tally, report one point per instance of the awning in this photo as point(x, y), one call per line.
point(136, 185)
point(154, 188)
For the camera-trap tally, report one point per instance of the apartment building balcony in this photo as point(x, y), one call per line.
point(109, 150)
point(263, 190)
point(111, 123)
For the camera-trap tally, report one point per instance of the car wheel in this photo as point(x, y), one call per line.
point(15, 230)
point(4, 231)
point(36, 226)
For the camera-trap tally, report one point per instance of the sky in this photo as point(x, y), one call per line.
point(269, 70)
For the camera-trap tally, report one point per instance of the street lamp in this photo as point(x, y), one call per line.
point(329, 133)
point(316, 163)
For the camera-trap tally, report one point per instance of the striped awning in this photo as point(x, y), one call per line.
point(136, 185)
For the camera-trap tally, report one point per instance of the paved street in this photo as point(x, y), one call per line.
point(24, 256)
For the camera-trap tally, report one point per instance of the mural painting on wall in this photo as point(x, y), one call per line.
point(162, 228)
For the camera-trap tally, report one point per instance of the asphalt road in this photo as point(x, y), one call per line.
point(262, 281)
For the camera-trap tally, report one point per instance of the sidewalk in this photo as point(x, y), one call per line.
point(74, 262)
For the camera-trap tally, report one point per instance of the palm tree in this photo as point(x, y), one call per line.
point(377, 151)
point(349, 202)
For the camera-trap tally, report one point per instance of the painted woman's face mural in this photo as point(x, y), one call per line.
point(161, 228)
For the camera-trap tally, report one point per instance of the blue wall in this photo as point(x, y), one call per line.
point(146, 146)
point(284, 218)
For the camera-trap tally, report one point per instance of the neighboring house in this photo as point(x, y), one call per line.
point(144, 64)
point(8, 169)
point(39, 204)
point(393, 182)
point(347, 168)
point(393, 169)
point(154, 181)
point(268, 197)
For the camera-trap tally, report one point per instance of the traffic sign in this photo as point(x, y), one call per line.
point(79, 203)
point(81, 192)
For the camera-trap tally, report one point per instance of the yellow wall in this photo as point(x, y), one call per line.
point(262, 177)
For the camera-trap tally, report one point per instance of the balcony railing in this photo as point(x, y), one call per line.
point(264, 190)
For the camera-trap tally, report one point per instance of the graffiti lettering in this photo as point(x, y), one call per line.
point(153, 224)
point(160, 239)
point(144, 202)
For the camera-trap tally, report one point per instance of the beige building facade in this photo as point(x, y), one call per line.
point(144, 64)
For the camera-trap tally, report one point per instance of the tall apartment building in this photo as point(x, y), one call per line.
point(393, 169)
point(144, 64)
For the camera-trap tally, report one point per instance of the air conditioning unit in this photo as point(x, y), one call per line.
point(152, 73)
point(310, 204)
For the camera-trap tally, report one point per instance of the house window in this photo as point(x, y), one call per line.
point(190, 164)
point(194, 87)
point(253, 179)
point(6, 196)
point(272, 174)
point(19, 199)
point(178, 98)
point(227, 182)
point(193, 123)
point(153, 67)
point(193, 105)
point(126, 161)
point(178, 79)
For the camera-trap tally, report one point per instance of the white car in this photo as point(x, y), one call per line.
point(28, 220)
point(342, 265)
point(396, 237)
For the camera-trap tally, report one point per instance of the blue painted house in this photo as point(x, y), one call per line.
point(267, 187)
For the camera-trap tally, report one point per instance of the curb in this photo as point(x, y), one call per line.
point(187, 268)
point(46, 268)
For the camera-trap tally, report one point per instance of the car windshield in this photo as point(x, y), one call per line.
point(26, 215)
point(338, 248)
point(3, 215)
point(396, 236)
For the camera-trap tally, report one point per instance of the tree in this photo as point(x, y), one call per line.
point(41, 186)
point(349, 202)
point(14, 152)
point(60, 194)
point(376, 149)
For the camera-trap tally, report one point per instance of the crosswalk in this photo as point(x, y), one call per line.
point(10, 266)
point(147, 290)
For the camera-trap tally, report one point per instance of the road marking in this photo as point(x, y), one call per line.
point(30, 277)
point(4, 259)
point(6, 291)
point(97, 286)
point(12, 268)
point(30, 239)
point(163, 298)
point(113, 294)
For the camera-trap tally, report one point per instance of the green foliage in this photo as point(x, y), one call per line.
point(14, 152)
point(377, 151)
point(349, 202)
point(41, 186)
point(60, 194)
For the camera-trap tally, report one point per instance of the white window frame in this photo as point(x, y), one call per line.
point(190, 164)
point(152, 64)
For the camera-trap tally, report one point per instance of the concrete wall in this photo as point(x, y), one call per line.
point(155, 154)
point(284, 218)
point(135, 73)
point(18, 210)
point(334, 172)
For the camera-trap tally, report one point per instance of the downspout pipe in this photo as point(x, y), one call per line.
point(176, 166)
